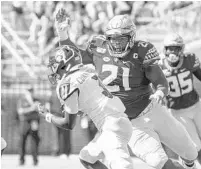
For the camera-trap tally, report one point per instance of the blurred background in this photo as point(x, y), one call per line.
point(28, 36)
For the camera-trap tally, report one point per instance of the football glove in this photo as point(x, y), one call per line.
point(44, 112)
point(157, 97)
point(62, 23)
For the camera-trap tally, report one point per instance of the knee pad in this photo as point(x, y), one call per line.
point(156, 161)
point(120, 163)
point(90, 155)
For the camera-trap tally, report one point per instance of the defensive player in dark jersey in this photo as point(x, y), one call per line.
point(183, 101)
point(128, 67)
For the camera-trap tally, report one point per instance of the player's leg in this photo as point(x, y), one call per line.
point(172, 164)
point(190, 126)
point(197, 121)
point(146, 145)
point(96, 165)
point(173, 134)
point(90, 155)
point(116, 133)
point(35, 140)
point(115, 151)
point(24, 131)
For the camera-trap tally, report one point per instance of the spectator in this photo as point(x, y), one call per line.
point(29, 124)
point(36, 15)
point(46, 34)
point(18, 21)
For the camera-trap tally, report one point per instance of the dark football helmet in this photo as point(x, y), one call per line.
point(64, 60)
point(173, 48)
point(120, 34)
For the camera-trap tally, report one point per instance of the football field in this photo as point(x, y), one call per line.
point(51, 162)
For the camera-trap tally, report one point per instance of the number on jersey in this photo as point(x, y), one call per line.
point(180, 84)
point(114, 72)
point(64, 91)
point(105, 90)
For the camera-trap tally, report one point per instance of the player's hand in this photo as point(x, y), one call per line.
point(42, 110)
point(157, 97)
point(62, 20)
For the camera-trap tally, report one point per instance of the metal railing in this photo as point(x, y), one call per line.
point(19, 41)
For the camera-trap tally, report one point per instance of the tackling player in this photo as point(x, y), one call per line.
point(128, 67)
point(80, 89)
point(183, 101)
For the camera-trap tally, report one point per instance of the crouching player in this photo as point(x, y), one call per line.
point(183, 101)
point(79, 89)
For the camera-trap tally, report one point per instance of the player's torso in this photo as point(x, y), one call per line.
point(124, 78)
point(181, 89)
point(93, 99)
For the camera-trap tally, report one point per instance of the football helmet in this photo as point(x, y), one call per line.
point(173, 48)
point(120, 34)
point(64, 60)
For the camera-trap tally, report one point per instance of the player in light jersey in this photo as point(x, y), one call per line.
point(80, 89)
point(128, 66)
point(3, 145)
point(183, 101)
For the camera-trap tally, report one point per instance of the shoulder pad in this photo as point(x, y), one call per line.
point(147, 52)
point(96, 41)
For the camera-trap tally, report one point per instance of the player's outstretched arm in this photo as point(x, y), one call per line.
point(197, 74)
point(62, 25)
point(66, 122)
point(155, 74)
point(196, 67)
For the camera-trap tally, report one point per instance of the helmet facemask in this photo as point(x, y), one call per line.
point(173, 54)
point(173, 49)
point(120, 35)
point(65, 60)
point(119, 46)
point(56, 71)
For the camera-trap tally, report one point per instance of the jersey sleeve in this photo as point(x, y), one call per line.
point(151, 55)
point(87, 56)
point(71, 104)
point(66, 89)
point(194, 62)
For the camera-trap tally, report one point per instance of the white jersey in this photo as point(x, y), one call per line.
point(83, 91)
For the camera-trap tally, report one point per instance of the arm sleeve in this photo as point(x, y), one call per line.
point(71, 103)
point(157, 78)
point(87, 56)
point(197, 73)
point(195, 65)
point(195, 62)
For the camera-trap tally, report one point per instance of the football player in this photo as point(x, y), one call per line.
point(128, 67)
point(80, 89)
point(3, 145)
point(183, 101)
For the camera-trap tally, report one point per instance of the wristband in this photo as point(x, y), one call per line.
point(160, 93)
point(63, 34)
point(48, 117)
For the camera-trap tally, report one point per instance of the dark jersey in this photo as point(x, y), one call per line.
point(125, 78)
point(182, 93)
